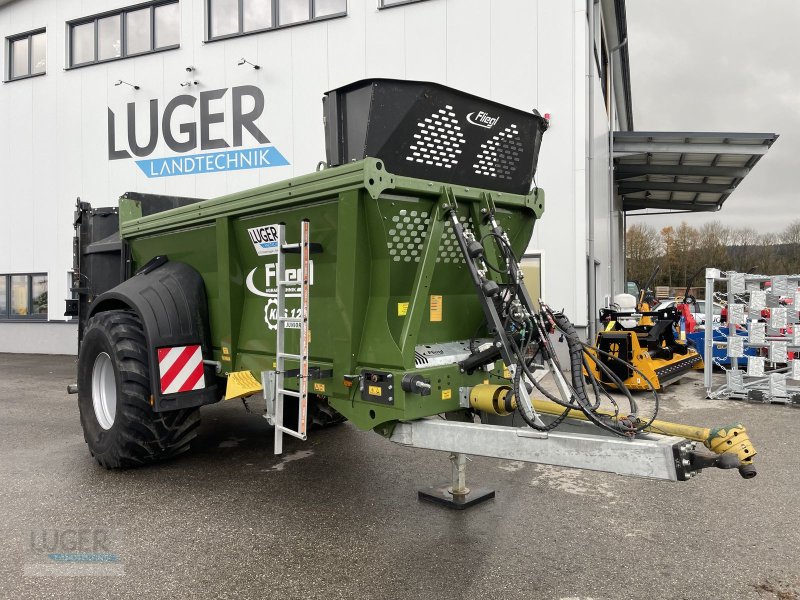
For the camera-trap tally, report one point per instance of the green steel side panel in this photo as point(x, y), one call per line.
point(387, 256)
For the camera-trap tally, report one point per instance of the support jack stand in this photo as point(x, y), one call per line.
point(456, 495)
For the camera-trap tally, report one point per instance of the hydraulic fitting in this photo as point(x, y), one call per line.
point(414, 383)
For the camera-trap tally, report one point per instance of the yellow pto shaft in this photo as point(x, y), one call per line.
point(729, 439)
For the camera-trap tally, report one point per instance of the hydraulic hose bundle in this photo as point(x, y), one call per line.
point(522, 339)
point(528, 333)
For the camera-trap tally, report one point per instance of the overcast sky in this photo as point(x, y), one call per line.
point(724, 65)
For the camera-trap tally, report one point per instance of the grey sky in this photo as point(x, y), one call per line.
point(724, 65)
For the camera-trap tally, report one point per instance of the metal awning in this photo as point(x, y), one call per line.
point(683, 171)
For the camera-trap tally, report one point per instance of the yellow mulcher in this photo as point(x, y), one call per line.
point(644, 338)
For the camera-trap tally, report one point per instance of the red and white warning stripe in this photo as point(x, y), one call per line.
point(180, 369)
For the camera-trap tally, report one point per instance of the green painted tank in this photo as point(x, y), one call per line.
point(390, 294)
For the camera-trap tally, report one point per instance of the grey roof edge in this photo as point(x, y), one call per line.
point(767, 136)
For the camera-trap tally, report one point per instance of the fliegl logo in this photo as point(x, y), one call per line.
point(482, 119)
point(215, 130)
point(263, 282)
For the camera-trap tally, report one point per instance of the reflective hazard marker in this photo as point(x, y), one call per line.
point(180, 369)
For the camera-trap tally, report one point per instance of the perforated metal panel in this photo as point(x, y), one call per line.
point(407, 234)
point(429, 131)
point(500, 156)
point(438, 141)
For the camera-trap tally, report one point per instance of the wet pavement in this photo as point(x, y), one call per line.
point(338, 515)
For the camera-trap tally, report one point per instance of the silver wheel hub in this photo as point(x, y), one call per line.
point(104, 390)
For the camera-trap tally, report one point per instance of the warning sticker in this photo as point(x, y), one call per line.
point(402, 309)
point(374, 390)
point(447, 394)
point(436, 308)
point(319, 387)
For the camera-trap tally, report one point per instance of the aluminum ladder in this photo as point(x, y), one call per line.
point(273, 382)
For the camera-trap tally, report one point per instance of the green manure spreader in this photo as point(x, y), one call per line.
point(383, 289)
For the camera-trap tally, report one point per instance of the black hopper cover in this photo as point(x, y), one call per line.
point(429, 131)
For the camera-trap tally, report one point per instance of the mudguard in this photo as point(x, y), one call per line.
point(170, 299)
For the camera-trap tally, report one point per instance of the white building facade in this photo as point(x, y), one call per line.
point(205, 97)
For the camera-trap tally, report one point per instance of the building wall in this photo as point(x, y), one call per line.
point(54, 134)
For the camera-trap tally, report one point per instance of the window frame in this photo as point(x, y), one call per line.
point(9, 54)
point(538, 255)
point(275, 20)
point(382, 3)
point(8, 316)
point(122, 14)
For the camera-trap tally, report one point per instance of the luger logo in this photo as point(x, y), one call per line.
point(193, 135)
point(482, 119)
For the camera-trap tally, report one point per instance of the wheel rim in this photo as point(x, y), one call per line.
point(104, 390)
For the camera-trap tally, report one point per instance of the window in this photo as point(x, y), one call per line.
point(133, 31)
point(389, 3)
point(227, 18)
point(532, 266)
point(27, 55)
point(23, 296)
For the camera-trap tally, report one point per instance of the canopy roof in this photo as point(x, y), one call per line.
point(683, 171)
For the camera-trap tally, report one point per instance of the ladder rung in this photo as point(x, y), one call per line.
point(289, 393)
point(290, 319)
point(281, 282)
point(286, 355)
point(291, 432)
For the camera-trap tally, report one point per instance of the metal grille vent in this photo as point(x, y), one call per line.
point(438, 141)
point(500, 155)
point(449, 252)
point(408, 231)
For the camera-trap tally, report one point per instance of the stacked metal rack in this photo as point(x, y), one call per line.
point(762, 314)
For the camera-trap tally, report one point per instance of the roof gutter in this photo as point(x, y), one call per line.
point(624, 60)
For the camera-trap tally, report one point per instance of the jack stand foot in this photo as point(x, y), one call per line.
point(456, 495)
point(442, 495)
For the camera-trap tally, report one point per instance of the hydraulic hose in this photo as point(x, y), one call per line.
point(575, 346)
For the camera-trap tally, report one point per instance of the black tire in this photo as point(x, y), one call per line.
point(138, 435)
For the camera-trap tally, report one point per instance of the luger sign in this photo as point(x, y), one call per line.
point(196, 135)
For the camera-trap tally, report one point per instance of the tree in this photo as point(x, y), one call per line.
point(791, 237)
point(668, 268)
point(713, 239)
point(642, 251)
point(744, 241)
point(684, 253)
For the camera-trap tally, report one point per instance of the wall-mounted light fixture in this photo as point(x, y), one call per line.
point(120, 82)
point(244, 61)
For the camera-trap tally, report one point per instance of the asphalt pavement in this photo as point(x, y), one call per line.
point(338, 516)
